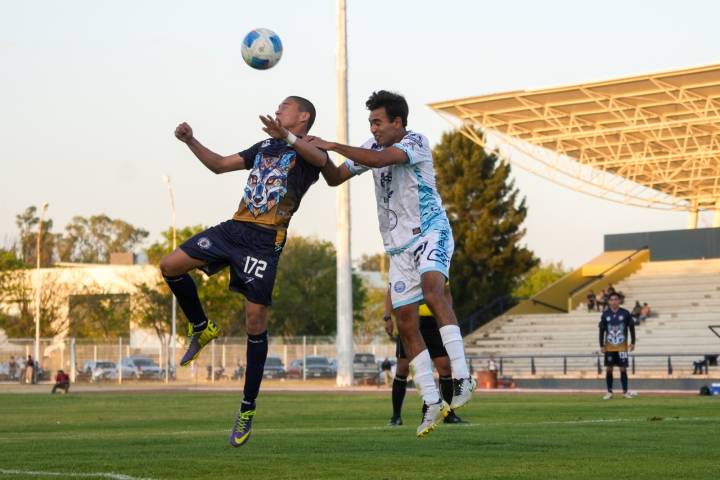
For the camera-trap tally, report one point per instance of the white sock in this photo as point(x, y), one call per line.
point(453, 342)
point(423, 377)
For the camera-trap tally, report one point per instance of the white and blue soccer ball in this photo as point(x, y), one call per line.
point(262, 48)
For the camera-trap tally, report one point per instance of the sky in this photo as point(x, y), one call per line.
point(91, 92)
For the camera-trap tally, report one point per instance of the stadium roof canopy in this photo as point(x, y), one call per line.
point(649, 140)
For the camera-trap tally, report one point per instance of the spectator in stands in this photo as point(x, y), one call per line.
point(644, 312)
point(12, 368)
point(591, 301)
point(635, 314)
point(62, 382)
point(492, 364)
point(601, 301)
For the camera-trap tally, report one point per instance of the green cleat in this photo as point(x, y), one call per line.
point(198, 340)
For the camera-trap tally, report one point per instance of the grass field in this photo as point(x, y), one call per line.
point(182, 435)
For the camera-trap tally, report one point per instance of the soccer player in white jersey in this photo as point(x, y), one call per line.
point(416, 234)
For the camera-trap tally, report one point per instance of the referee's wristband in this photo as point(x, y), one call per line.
point(290, 138)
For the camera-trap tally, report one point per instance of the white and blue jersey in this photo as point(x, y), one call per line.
point(413, 223)
point(408, 204)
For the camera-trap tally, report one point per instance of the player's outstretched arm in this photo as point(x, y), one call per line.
point(213, 161)
point(310, 152)
point(367, 157)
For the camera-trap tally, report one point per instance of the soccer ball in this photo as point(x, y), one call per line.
point(262, 49)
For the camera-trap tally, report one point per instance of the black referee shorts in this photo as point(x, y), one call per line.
point(431, 335)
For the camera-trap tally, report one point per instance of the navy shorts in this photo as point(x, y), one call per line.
point(616, 359)
point(252, 252)
point(431, 335)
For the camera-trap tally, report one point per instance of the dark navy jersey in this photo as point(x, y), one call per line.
point(278, 179)
point(614, 327)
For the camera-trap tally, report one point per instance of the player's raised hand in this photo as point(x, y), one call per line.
point(184, 132)
point(272, 127)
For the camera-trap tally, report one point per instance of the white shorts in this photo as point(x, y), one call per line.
point(431, 252)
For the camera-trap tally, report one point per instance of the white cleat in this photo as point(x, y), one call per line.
point(628, 395)
point(464, 389)
point(433, 415)
point(608, 396)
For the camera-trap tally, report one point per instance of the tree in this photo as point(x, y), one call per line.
point(157, 250)
point(17, 304)
point(486, 214)
point(377, 262)
point(28, 223)
point(151, 307)
point(305, 299)
point(98, 314)
point(371, 323)
point(93, 239)
point(9, 261)
point(538, 278)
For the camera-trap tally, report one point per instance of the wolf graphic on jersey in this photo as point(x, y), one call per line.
point(267, 183)
point(616, 335)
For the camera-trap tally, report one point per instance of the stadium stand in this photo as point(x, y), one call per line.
point(685, 298)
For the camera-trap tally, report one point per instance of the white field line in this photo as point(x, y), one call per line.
point(288, 430)
point(32, 473)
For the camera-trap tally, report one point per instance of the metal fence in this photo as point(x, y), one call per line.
point(651, 365)
point(223, 359)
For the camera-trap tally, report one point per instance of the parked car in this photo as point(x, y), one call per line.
point(274, 368)
point(365, 367)
point(317, 367)
point(105, 370)
point(145, 368)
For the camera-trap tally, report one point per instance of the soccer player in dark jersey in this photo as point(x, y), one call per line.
point(431, 335)
point(282, 168)
point(615, 322)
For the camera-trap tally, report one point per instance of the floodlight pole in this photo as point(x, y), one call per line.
point(38, 283)
point(344, 339)
point(173, 333)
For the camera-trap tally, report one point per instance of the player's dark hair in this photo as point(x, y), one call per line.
point(394, 103)
point(306, 106)
point(614, 294)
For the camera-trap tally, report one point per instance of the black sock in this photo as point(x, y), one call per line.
point(187, 297)
point(609, 381)
point(624, 381)
point(399, 388)
point(257, 350)
point(446, 388)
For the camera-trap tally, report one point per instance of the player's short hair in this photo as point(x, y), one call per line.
point(305, 106)
point(614, 294)
point(394, 103)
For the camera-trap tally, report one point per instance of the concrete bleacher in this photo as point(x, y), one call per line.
point(684, 297)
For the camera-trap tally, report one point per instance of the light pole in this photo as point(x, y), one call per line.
point(38, 281)
point(166, 179)
point(344, 339)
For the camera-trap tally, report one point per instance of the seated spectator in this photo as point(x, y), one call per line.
point(62, 381)
point(601, 300)
point(644, 312)
point(700, 367)
point(591, 301)
point(635, 314)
